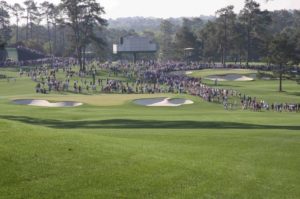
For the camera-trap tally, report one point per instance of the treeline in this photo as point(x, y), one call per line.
point(66, 29)
point(246, 36)
point(141, 24)
point(75, 28)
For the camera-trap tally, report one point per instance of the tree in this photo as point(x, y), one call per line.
point(60, 42)
point(296, 18)
point(284, 52)
point(209, 41)
point(54, 16)
point(238, 42)
point(225, 23)
point(83, 16)
point(166, 40)
point(28, 5)
point(47, 10)
point(281, 19)
point(255, 21)
point(184, 39)
point(4, 29)
point(193, 24)
point(32, 16)
point(17, 11)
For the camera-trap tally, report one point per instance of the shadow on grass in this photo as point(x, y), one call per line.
point(295, 93)
point(223, 85)
point(141, 124)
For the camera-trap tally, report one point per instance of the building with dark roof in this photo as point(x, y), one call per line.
point(134, 45)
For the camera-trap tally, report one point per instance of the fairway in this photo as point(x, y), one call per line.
point(112, 148)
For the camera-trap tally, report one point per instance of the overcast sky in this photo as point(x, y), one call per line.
point(176, 8)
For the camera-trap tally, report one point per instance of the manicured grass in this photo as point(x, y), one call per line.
point(208, 72)
point(96, 100)
point(111, 148)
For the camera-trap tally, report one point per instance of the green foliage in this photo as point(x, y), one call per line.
point(17, 12)
point(166, 43)
point(5, 30)
point(34, 44)
point(209, 42)
point(47, 47)
point(225, 24)
point(184, 39)
point(32, 17)
point(264, 75)
point(255, 23)
point(83, 17)
point(283, 50)
point(283, 53)
point(228, 37)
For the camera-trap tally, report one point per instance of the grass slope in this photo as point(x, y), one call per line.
point(115, 149)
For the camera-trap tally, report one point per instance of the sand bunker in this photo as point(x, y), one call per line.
point(229, 77)
point(162, 102)
point(45, 103)
point(188, 72)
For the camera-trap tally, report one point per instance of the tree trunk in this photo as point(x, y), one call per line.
point(79, 57)
point(27, 24)
point(225, 42)
point(49, 41)
point(17, 33)
point(248, 48)
point(55, 39)
point(63, 39)
point(30, 22)
point(280, 78)
point(240, 55)
point(49, 36)
point(222, 54)
point(83, 60)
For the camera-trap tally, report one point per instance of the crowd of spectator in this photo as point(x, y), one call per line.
point(142, 77)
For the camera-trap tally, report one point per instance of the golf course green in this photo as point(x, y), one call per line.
point(110, 147)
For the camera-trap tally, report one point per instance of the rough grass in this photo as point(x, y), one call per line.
point(130, 151)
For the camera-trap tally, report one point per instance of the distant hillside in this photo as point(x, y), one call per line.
point(140, 24)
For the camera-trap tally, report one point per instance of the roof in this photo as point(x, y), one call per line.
point(135, 44)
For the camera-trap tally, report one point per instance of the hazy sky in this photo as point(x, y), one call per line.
point(176, 8)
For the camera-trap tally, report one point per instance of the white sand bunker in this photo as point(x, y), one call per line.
point(45, 103)
point(162, 102)
point(229, 77)
point(188, 72)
